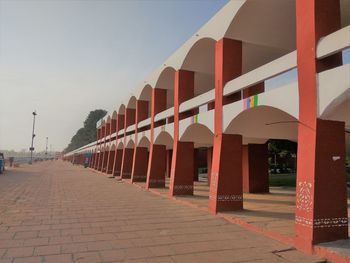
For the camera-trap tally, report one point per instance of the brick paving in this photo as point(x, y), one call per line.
point(56, 212)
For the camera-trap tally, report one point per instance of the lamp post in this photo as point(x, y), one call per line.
point(33, 135)
point(47, 139)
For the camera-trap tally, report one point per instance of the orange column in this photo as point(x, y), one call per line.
point(110, 161)
point(139, 168)
point(321, 194)
point(255, 168)
point(169, 156)
point(117, 162)
point(105, 153)
point(195, 165)
point(128, 153)
point(118, 156)
point(155, 171)
point(226, 191)
point(127, 163)
point(209, 162)
point(102, 145)
point(182, 167)
point(140, 158)
point(157, 168)
point(96, 150)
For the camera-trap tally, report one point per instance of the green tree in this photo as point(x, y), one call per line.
point(86, 134)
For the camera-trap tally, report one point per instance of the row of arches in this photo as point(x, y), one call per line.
point(243, 36)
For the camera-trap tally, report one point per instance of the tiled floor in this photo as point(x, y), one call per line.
point(56, 212)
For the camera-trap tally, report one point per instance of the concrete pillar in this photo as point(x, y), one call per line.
point(156, 170)
point(169, 156)
point(111, 157)
point(100, 161)
point(105, 161)
point(140, 158)
point(117, 166)
point(156, 167)
point(209, 162)
point(321, 194)
point(181, 181)
point(103, 145)
point(226, 174)
point(139, 169)
point(321, 197)
point(92, 160)
point(255, 168)
point(127, 163)
point(195, 165)
point(226, 192)
point(96, 160)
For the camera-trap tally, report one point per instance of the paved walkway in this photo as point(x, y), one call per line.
point(56, 212)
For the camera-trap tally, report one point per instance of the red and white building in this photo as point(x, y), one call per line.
point(258, 70)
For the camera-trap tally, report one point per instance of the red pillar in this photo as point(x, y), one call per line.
point(96, 159)
point(105, 160)
point(99, 167)
point(127, 158)
point(117, 162)
point(111, 157)
point(321, 196)
point(155, 173)
point(139, 169)
point(91, 164)
point(226, 173)
point(127, 163)
point(182, 167)
point(95, 163)
point(255, 168)
point(103, 145)
point(209, 162)
point(181, 180)
point(195, 165)
point(169, 156)
point(156, 167)
point(140, 159)
point(226, 191)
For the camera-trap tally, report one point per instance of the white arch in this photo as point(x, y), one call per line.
point(264, 122)
point(164, 138)
point(201, 135)
point(143, 142)
point(131, 102)
point(121, 109)
point(120, 145)
point(130, 144)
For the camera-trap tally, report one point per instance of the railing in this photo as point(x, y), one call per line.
point(164, 114)
point(198, 101)
point(130, 128)
point(327, 46)
point(333, 43)
point(144, 123)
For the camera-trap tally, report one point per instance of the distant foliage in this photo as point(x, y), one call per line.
point(282, 146)
point(87, 134)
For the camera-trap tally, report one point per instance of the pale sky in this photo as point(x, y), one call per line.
point(59, 57)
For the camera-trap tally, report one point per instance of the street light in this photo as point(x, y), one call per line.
point(47, 139)
point(33, 135)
